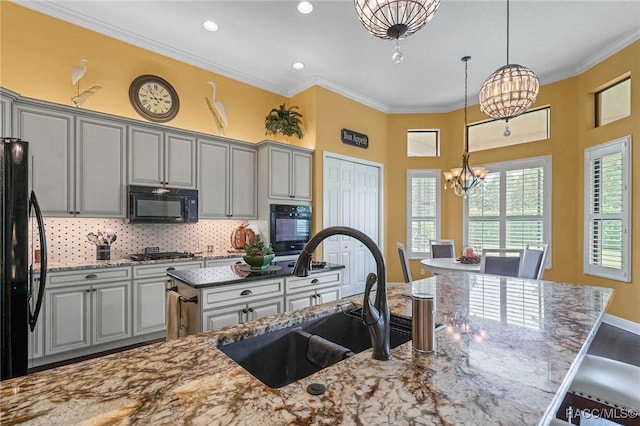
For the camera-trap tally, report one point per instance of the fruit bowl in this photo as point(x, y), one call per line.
point(473, 260)
point(259, 262)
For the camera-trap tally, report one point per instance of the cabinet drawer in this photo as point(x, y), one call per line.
point(223, 262)
point(160, 269)
point(238, 293)
point(88, 276)
point(295, 284)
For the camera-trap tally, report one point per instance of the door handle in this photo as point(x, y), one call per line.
point(33, 317)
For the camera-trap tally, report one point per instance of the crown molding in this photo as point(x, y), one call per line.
point(609, 50)
point(103, 28)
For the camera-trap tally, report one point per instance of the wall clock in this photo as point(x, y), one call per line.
point(154, 98)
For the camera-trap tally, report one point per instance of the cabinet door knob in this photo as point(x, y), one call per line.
point(77, 212)
point(244, 311)
point(90, 276)
point(246, 293)
point(314, 281)
point(250, 309)
point(88, 290)
point(171, 268)
point(70, 212)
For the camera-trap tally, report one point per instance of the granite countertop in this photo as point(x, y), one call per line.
point(523, 337)
point(223, 275)
point(114, 263)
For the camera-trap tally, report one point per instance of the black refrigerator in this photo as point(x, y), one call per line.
point(20, 299)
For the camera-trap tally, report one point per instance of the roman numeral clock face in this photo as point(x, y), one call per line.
point(153, 98)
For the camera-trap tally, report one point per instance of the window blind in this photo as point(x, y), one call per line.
point(607, 210)
point(423, 198)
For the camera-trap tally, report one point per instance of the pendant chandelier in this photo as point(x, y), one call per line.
point(395, 19)
point(463, 179)
point(509, 91)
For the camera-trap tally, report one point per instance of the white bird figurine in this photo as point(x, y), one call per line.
point(217, 109)
point(78, 71)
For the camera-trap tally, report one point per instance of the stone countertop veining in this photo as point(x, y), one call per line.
point(522, 338)
point(223, 275)
point(114, 263)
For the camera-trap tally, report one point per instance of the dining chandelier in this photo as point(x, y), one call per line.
point(509, 91)
point(462, 179)
point(395, 19)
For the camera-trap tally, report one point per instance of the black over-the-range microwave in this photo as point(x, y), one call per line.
point(148, 204)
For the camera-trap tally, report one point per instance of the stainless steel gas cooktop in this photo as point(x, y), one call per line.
point(160, 256)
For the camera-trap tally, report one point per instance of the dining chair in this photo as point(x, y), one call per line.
point(404, 262)
point(534, 260)
point(507, 262)
point(442, 248)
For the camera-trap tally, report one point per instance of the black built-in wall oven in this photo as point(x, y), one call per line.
point(290, 228)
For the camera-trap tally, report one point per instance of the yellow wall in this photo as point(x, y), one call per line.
point(627, 297)
point(38, 53)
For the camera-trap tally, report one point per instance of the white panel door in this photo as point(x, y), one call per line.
point(51, 139)
point(100, 168)
point(146, 156)
point(213, 181)
point(265, 308)
point(302, 300)
point(149, 306)
point(111, 311)
point(331, 252)
point(244, 183)
point(68, 312)
point(366, 192)
point(224, 317)
point(180, 160)
point(330, 294)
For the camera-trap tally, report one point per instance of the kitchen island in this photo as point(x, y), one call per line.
point(508, 347)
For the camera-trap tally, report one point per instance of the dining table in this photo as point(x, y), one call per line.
point(448, 264)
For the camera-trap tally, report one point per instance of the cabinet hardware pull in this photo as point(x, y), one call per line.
point(246, 293)
point(245, 311)
point(238, 263)
point(77, 212)
point(70, 212)
point(171, 268)
point(314, 281)
point(88, 291)
point(250, 309)
point(94, 290)
point(90, 276)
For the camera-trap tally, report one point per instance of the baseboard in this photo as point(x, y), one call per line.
point(630, 326)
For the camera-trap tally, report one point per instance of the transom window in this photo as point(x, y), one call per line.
point(423, 212)
point(613, 103)
point(607, 244)
point(528, 127)
point(423, 143)
point(512, 208)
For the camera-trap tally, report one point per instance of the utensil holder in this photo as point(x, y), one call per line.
point(103, 252)
point(423, 327)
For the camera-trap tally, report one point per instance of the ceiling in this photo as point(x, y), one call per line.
point(258, 41)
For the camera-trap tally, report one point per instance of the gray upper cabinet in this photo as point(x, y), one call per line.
point(159, 158)
point(289, 170)
point(50, 134)
point(227, 180)
point(100, 168)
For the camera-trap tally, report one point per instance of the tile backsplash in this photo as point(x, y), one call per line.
point(67, 238)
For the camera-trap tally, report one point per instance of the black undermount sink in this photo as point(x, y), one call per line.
point(280, 357)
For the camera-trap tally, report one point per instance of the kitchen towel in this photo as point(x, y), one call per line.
point(173, 315)
point(324, 353)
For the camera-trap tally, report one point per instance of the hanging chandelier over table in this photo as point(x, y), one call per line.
point(509, 91)
point(463, 179)
point(395, 19)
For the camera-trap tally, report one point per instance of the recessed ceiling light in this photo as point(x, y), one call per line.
point(305, 7)
point(298, 65)
point(210, 26)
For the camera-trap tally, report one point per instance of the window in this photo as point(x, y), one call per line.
point(423, 212)
point(423, 143)
point(512, 208)
point(528, 127)
point(614, 102)
point(607, 245)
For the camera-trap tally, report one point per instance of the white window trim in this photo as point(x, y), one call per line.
point(411, 173)
point(546, 163)
point(618, 145)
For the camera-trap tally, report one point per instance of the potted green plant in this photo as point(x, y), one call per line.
point(259, 255)
point(286, 121)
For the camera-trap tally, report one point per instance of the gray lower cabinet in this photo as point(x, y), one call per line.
point(149, 295)
point(241, 312)
point(80, 316)
point(161, 158)
point(227, 180)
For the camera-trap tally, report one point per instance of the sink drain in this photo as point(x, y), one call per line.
point(316, 388)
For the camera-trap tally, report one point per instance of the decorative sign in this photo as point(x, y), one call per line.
point(354, 138)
